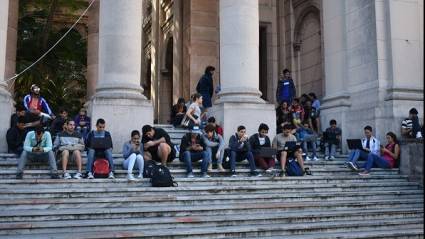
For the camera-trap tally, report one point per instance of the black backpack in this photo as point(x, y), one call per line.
point(161, 177)
point(148, 169)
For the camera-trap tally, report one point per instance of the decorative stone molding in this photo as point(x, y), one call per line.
point(297, 46)
point(404, 94)
point(332, 101)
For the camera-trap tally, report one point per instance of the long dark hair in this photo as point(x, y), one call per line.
point(208, 69)
point(392, 135)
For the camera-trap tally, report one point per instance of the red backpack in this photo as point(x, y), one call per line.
point(101, 168)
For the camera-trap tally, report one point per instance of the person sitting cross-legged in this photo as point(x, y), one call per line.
point(215, 146)
point(99, 141)
point(390, 153)
point(133, 154)
point(37, 146)
point(258, 141)
point(69, 143)
point(240, 150)
point(192, 149)
point(157, 145)
point(15, 137)
point(370, 146)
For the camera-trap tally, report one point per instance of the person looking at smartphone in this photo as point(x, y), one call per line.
point(133, 154)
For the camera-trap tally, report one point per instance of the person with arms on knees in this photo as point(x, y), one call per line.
point(410, 127)
point(279, 142)
point(285, 88)
point(15, 137)
point(218, 128)
point(371, 145)
point(37, 146)
point(133, 154)
point(215, 147)
point(258, 141)
point(390, 154)
point(99, 142)
point(306, 136)
point(193, 149)
point(241, 150)
point(69, 144)
point(157, 145)
point(332, 138)
point(205, 87)
point(177, 112)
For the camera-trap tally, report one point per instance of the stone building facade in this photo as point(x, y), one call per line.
point(364, 59)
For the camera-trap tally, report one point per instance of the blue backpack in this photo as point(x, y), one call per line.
point(293, 168)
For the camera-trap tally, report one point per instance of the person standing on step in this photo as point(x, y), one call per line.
point(99, 141)
point(193, 149)
point(205, 87)
point(157, 145)
point(331, 138)
point(258, 141)
point(390, 154)
point(285, 88)
point(15, 136)
point(194, 111)
point(371, 145)
point(279, 143)
point(37, 146)
point(240, 150)
point(69, 144)
point(133, 155)
point(215, 147)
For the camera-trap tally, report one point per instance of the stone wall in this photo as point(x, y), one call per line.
point(412, 159)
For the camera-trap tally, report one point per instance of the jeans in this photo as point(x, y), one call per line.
point(83, 131)
point(189, 157)
point(356, 155)
point(90, 160)
point(129, 163)
point(309, 139)
point(331, 148)
point(212, 152)
point(37, 156)
point(240, 156)
point(374, 160)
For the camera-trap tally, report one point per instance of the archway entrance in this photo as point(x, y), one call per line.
point(165, 94)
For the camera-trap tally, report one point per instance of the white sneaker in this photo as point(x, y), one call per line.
point(307, 158)
point(90, 175)
point(315, 158)
point(419, 135)
point(326, 157)
point(140, 176)
point(67, 176)
point(269, 170)
point(130, 177)
point(111, 175)
point(78, 175)
point(332, 158)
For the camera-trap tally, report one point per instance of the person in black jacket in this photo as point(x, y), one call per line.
point(177, 112)
point(192, 149)
point(257, 141)
point(205, 87)
point(15, 137)
point(241, 150)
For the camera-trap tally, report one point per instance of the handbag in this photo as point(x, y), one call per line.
point(188, 122)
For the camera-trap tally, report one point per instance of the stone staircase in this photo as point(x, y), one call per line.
point(332, 203)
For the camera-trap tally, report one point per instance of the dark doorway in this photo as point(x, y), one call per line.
point(263, 62)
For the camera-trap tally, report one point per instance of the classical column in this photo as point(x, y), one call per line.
point(5, 97)
point(92, 49)
point(239, 101)
point(12, 39)
point(118, 98)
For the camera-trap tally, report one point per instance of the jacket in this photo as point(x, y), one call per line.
point(43, 106)
point(15, 139)
point(282, 94)
point(236, 145)
point(91, 135)
point(254, 142)
point(217, 141)
point(205, 85)
point(31, 141)
point(374, 145)
point(186, 143)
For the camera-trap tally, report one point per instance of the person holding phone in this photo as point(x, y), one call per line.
point(37, 146)
point(133, 154)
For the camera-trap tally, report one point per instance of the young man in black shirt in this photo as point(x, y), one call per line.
point(157, 145)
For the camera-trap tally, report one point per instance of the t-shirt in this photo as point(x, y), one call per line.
point(387, 156)
point(159, 133)
point(407, 123)
point(196, 111)
point(280, 140)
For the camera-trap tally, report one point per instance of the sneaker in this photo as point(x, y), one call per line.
point(130, 177)
point(78, 175)
point(332, 158)
point(190, 175)
point(19, 176)
point(307, 158)
point(307, 171)
point(205, 175)
point(67, 176)
point(90, 175)
point(255, 174)
point(111, 175)
point(210, 167)
point(220, 168)
point(233, 173)
point(282, 173)
point(315, 158)
point(269, 170)
point(364, 173)
point(326, 157)
point(140, 176)
point(54, 176)
point(352, 166)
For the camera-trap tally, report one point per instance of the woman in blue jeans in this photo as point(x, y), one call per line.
point(390, 153)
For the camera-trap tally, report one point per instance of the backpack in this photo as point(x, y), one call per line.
point(148, 169)
point(101, 168)
point(161, 177)
point(293, 168)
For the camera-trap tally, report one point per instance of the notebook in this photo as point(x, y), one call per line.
point(355, 144)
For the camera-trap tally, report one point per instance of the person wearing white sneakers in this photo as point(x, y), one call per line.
point(306, 135)
point(133, 153)
point(331, 138)
point(69, 144)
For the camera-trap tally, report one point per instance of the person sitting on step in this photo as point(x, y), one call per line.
point(306, 135)
point(193, 149)
point(215, 147)
point(177, 112)
point(37, 146)
point(58, 124)
point(99, 141)
point(69, 144)
point(19, 112)
point(410, 127)
point(38, 110)
point(240, 150)
point(279, 143)
point(218, 128)
point(390, 154)
point(15, 137)
point(331, 138)
point(133, 155)
point(157, 145)
point(82, 123)
point(261, 140)
point(371, 145)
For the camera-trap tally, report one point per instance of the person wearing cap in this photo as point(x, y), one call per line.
point(157, 145)
point(37, 106)
point(410, 127)
point(15, 136)
point(37, 146)
point(193, 149)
